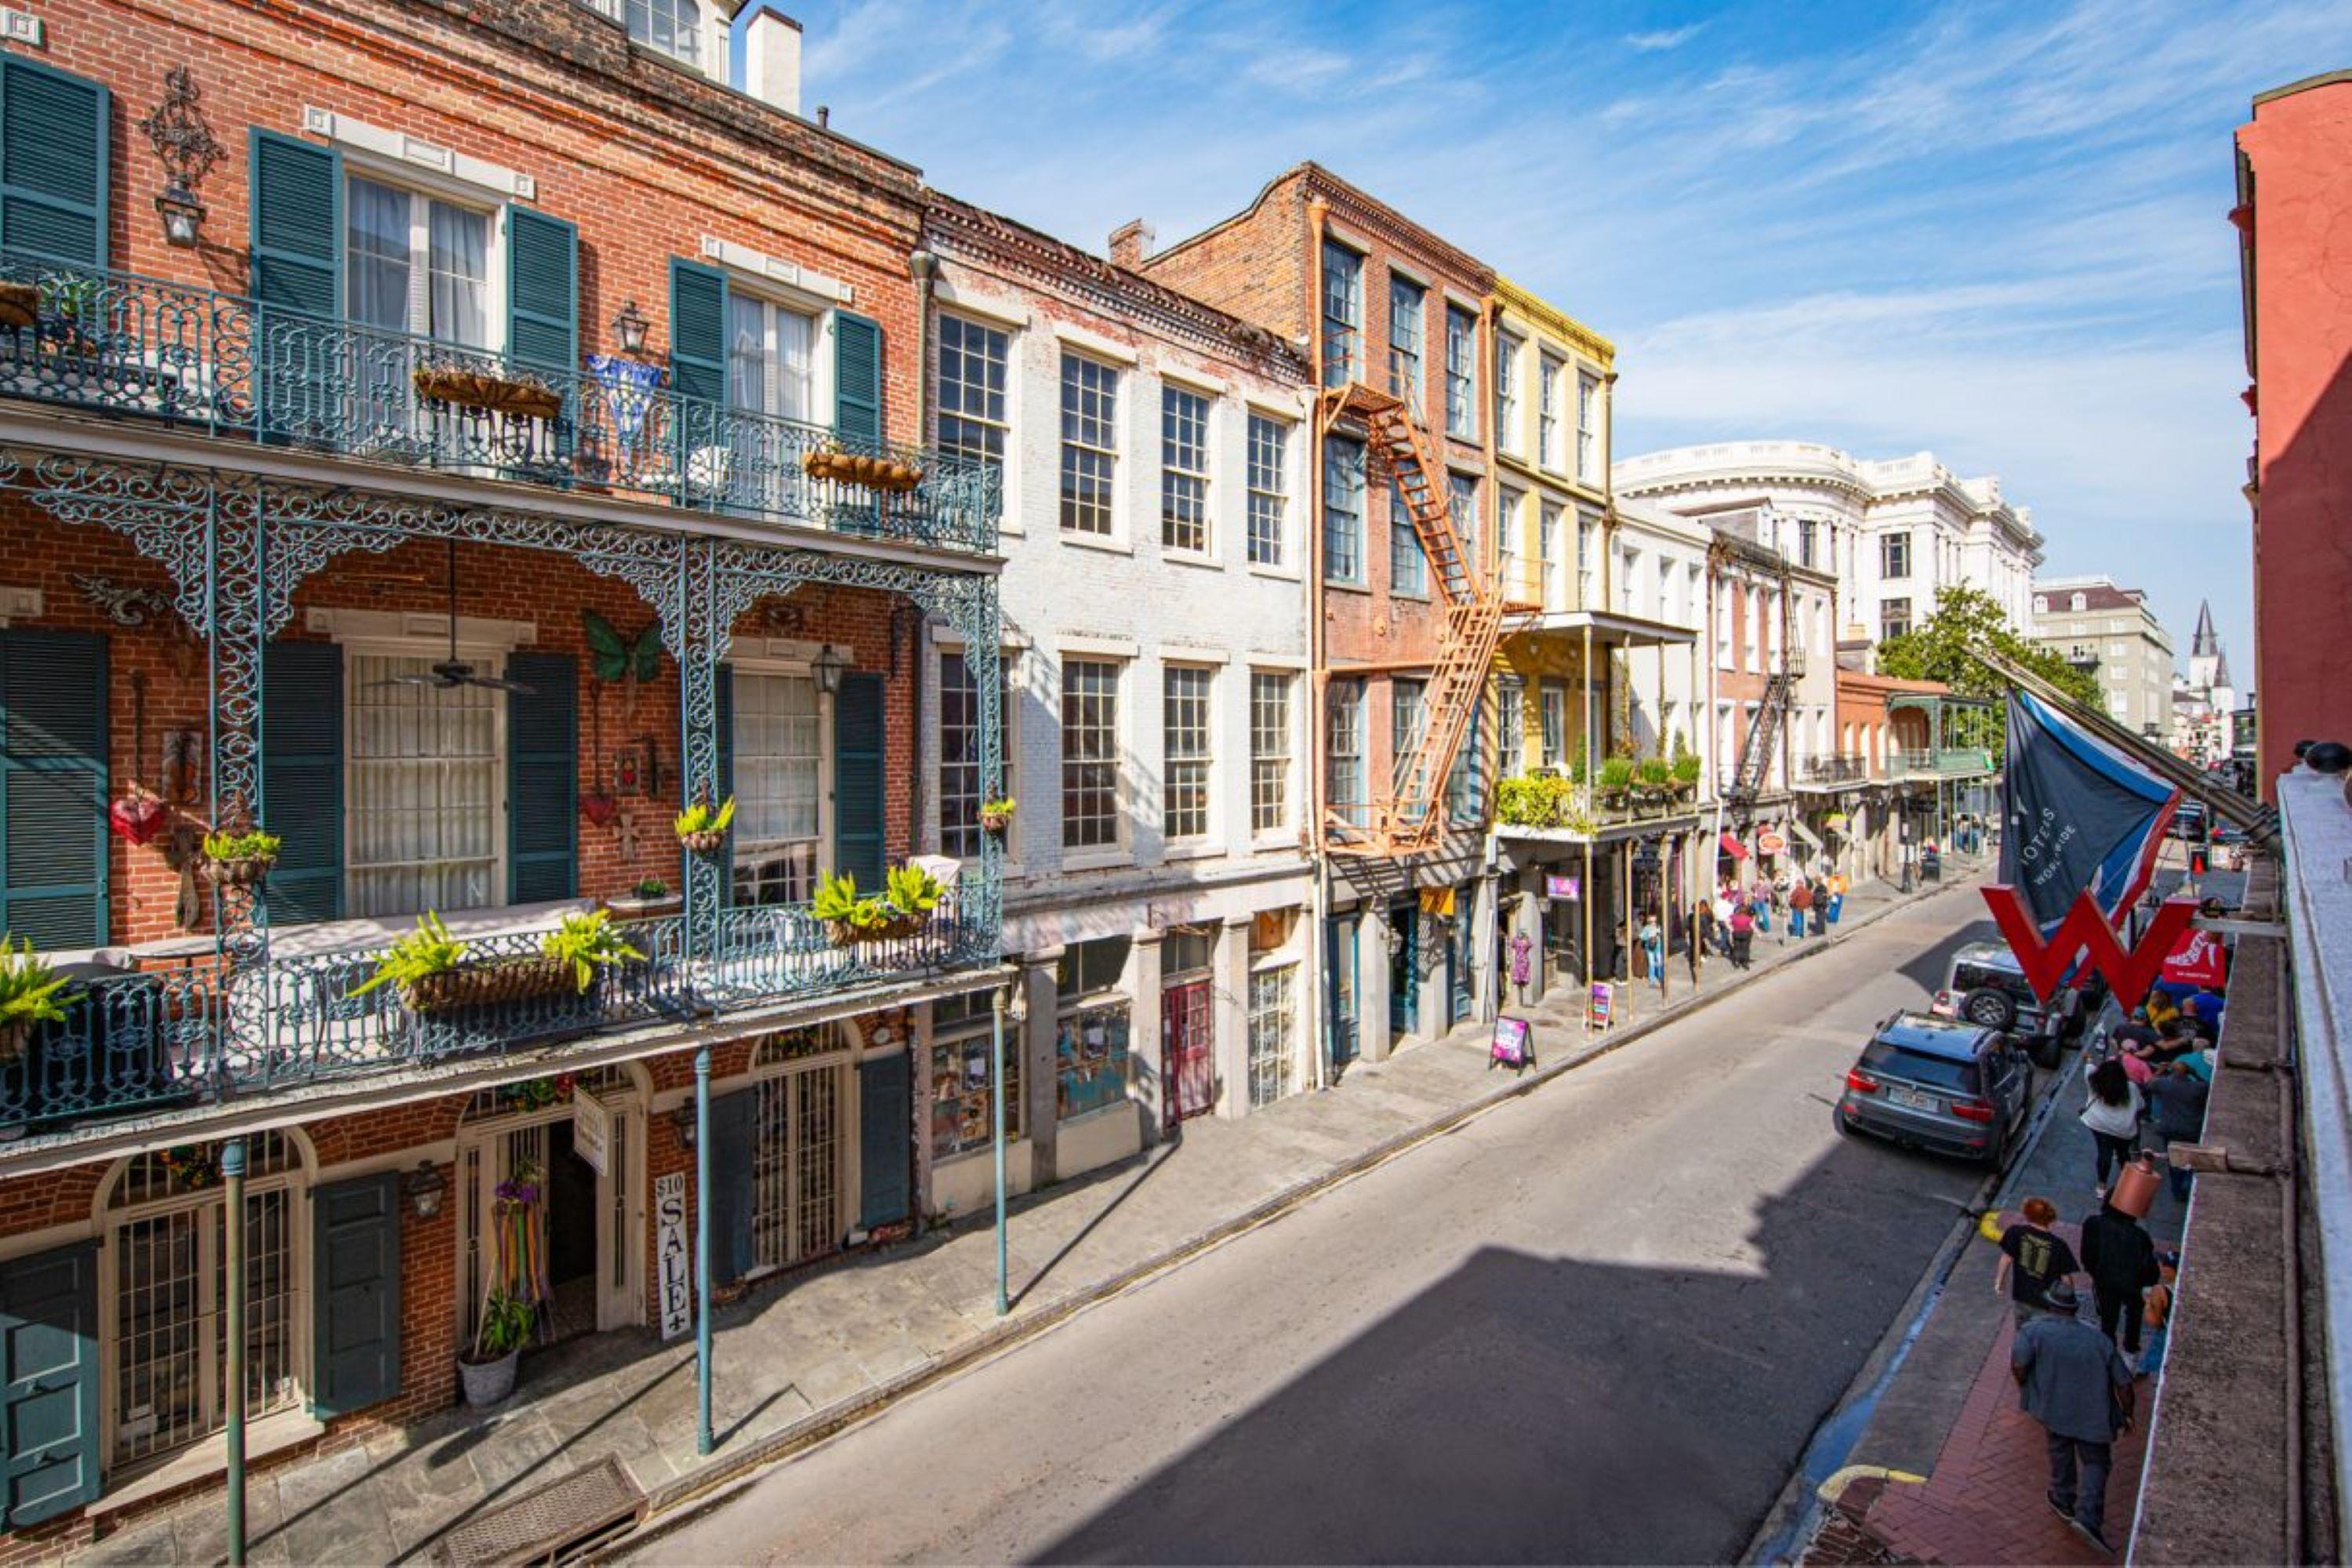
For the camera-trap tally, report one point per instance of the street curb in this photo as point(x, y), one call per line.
point(680, 1503)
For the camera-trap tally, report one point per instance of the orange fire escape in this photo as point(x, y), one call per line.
point(1410, 818)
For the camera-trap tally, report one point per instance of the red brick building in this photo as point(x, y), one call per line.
point(1400, 324)
point(2294, 188)
point(449, 440)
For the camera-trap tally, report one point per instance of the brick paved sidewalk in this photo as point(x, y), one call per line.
point(806, 1353)
point(1984, 1502)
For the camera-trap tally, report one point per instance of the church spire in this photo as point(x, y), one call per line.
point(2205, 645)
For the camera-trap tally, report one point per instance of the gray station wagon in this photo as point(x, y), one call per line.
point(1944, 1085)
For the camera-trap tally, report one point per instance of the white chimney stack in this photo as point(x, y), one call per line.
point(771, 60)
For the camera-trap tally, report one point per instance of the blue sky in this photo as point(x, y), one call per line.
point(1996, 232)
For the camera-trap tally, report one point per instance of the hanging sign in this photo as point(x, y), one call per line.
point(2201, 958)
point(1601, 1006)
point(1771, 842)
point(592, 1131)
point(1437, 901)
point(1567, 887)
point(677, 1286)
point(1513, 1045)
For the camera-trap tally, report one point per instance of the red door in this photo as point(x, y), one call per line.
point(1188, 1038)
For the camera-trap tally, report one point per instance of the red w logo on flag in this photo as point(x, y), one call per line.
point(2084, 933)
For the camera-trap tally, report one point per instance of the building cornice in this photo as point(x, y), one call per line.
point(1547, 316)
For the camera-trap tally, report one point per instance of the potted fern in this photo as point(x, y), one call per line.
point(238, 859)
point(702, 827)
point(488, 1369)
point(1616, 782)
point(996, 815)
point(904, 908)
point(1685, 773)
point(31, 993)
point(587, 943)
point(1656, 780)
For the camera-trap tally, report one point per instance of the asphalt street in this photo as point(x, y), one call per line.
point(1598, 1324)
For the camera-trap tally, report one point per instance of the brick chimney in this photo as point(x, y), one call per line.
point(1130, 242)
point(771, 60)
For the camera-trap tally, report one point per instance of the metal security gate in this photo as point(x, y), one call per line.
point(1188, 1031)
point(796, 1168)
point(1273, 1046)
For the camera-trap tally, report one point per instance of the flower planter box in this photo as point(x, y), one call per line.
point(497, 984)
point(630, 907)
point(897, 928)
point(997, 823)
point(874, 473)
point(487, 393)
point(20, 306)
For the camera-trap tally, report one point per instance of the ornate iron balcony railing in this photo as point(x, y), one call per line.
point(226, 365)
point(186, 1039)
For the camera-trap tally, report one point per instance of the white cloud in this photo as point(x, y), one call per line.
point(1664, 38)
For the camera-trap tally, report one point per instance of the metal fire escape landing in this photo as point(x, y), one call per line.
point(1756, 750)
point(1410, 818)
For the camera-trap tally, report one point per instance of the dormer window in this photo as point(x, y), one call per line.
point(2041, 604)
point(2079, 602)
point(673, 26)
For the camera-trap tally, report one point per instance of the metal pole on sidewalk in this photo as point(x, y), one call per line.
point(996, 1109)
point(231, 1167)
point(702, 1443)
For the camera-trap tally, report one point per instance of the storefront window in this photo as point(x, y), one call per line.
point(1091, 1044)
point(1272, 1022)
point(962, 1090)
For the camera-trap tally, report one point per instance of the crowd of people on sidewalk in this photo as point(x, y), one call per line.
point(1789, 903)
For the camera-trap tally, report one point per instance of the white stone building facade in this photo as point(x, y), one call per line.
point(2093, 624)
point(1154, 456)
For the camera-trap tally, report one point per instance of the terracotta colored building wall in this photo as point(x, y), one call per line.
point(2297, 156)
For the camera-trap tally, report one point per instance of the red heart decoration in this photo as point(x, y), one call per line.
point(138, 817)
point(599, 808)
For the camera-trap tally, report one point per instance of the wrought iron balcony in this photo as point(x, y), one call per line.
point(225, 366)
point(1833, 768)
point(151, 1042)
point(1948, 762)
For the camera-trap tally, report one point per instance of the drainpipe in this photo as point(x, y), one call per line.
point(1320, 905)
point(233, 1181)
point(702, 1443)
point(924, 267)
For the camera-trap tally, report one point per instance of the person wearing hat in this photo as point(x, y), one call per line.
point(2073, 1380)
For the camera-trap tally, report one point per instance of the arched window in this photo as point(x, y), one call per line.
point(673, 26)
point(166, 1232)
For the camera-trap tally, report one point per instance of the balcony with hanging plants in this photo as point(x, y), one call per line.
point(616, 426)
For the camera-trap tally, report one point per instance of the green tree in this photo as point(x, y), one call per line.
point(1942, 648)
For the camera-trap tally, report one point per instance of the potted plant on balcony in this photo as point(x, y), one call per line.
point(830, 462)
point(71, 307)
point(587, 942)
point(1616, 782)
point(702, 827)
point(429, 967)
point(996, 815)
point(486, 391)
point(1685, 775)
point(238, 859)
point(903, 909)
point(31, 993)
point(486, 1372)
point(651, 896)
point(1656, 780)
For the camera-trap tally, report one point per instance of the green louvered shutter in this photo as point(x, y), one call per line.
point(54, 134)
point(543, 778)
point(356, 1295)
point(858, 782)
point(49, 1382)
point(303, 778)
point(886, 1133)
point(298, 225)
point(734, 1145)
point(542, 291)
point(698, 331)
point(53, 845)
point(857, 376)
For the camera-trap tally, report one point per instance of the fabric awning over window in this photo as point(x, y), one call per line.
point(1732, 847)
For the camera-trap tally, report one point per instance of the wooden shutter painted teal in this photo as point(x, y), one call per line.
point(355, 1294)
point(55, 132)
point(723, 711)
point(298, 225)
point(734, 1142)
point(885, 1139)
point(303, 778)
point(542, 290)
point(857, 376)
point(857, 782)
point(698, 331)
point(543, 778)
point(53, 842)
point(48, 1402)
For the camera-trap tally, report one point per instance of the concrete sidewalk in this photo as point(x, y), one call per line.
point(1950, 1413)
point(804, 1354)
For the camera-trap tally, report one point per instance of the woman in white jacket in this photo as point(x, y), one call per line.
point(2113, 1114)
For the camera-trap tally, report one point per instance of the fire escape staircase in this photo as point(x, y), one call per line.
point(1764, 734)
point(1409, 819)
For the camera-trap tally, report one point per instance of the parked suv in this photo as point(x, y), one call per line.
point(1985, 985)
point(1944, 1085)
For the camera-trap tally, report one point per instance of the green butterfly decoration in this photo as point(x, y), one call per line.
point(615, 657)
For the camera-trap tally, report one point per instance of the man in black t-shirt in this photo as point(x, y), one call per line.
point(2032, 1257)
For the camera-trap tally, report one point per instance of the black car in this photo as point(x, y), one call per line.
point(1944, 1085)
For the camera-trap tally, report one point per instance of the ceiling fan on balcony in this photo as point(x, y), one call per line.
point(446, 675)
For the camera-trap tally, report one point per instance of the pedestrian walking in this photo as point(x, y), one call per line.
point(1692, 946)
point(2155, 1311)
point(2113, 1111)
point(1742, 926)
point(1723, 901)
point(2176, 1107)
point(2071, 1379)
point(2121, 1261)
point(1801, 904)
point(1653, 948)
point(1821, 906)
point(2033, 1259)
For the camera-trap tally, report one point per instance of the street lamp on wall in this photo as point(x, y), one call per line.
point(629, 329)
point(827, 667)
point(186, 146)
point(424, 1189)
